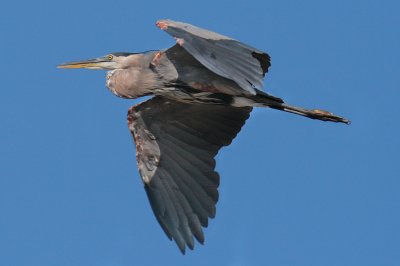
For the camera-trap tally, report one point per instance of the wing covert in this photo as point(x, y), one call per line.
point(175, 148)
point(224, 56)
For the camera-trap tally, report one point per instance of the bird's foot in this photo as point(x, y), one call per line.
point(327, 116)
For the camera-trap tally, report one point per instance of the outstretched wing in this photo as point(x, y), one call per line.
point(224, 56)
point(175, 148)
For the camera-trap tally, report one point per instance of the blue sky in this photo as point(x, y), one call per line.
point(293, 191)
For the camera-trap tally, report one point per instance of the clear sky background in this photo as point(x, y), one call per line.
point(294, 191)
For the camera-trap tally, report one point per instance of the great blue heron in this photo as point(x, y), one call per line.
point(205, 87)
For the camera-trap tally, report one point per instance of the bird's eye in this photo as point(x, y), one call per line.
point(109, 57)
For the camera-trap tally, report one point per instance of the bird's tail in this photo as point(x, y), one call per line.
point(266, 100)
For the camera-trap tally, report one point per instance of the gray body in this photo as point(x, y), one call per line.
point(204, 89)
point(176, 74)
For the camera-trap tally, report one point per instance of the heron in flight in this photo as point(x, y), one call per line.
point(204, 89)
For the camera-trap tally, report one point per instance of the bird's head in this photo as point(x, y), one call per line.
point(108, 62)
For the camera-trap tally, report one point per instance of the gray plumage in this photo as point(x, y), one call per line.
point(205, 87)
point(176, 144)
